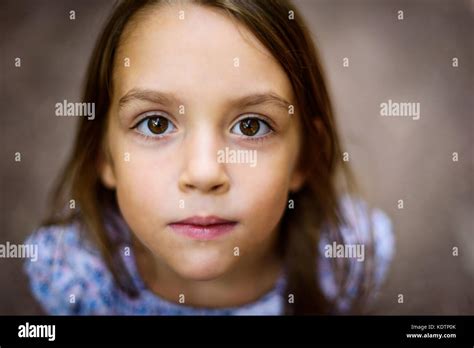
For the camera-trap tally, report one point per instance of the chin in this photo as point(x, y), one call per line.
point(202, 265)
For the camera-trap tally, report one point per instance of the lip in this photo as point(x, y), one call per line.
point(203, 227)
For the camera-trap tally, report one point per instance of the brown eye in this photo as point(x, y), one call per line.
point(252, 127)
point(155, 126)
point(249, 126)
point(158, 125)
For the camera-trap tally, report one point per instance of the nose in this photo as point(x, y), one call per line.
point(201, 171)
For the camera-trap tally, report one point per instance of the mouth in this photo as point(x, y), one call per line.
point(203, 227)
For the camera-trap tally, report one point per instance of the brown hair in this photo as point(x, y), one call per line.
point(316, 203)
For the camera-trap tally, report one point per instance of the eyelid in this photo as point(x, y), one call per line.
point(270, 123)
point(150, 114)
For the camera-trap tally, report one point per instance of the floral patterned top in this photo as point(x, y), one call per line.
point(69, 276)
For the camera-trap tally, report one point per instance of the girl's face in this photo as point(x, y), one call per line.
point(194, 93)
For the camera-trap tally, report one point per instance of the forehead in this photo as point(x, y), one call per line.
point(196, 52)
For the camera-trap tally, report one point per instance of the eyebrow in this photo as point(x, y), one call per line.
point(263, 98)
point(147, 95)
point(164, 98)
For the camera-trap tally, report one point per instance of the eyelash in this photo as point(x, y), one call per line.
point(257, 140)
point(148, 138)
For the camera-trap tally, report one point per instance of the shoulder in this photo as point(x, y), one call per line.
point(68, 276)
point(364, 245)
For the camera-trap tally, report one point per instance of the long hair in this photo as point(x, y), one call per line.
point(278, 25)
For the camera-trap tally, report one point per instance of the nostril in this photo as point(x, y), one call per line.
point(190, 186)
point(216, 187)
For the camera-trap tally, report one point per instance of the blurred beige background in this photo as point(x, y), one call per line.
point(394, 158)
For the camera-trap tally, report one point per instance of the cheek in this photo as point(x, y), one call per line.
point(145, 185)
point(262, 191)
point(147, 203)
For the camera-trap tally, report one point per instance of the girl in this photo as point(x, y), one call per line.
point(209, 180)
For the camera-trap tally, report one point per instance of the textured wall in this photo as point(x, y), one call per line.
point(394, 158)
